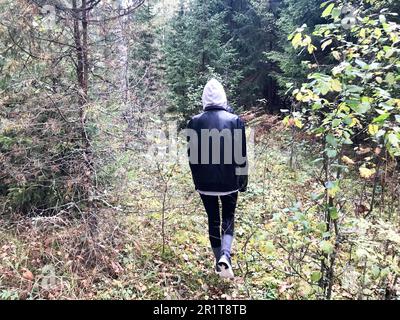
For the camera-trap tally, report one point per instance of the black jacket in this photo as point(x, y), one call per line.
point(223, 175)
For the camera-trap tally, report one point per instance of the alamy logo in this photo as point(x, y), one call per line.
point(349, 17)
point(214, 146)
point(204, 146)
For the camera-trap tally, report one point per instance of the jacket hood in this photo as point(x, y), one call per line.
point(214, 95)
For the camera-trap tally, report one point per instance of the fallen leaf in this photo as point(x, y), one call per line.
point(360, 209)
point(347, 160)
point(367, 173)
point(27, 274)
point(284, 286)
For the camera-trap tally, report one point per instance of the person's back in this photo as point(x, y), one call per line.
point(218, 163)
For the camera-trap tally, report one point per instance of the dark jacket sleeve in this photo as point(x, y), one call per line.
point(188, 126)
point(244, 177)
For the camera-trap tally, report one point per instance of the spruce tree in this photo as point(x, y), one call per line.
point(197, 49)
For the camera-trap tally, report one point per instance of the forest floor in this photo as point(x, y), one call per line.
point(56, 257)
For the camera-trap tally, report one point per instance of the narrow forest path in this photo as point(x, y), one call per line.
point(186, 268)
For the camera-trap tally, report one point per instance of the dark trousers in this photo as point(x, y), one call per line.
point(211, 204)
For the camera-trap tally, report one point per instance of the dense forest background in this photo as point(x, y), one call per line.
point(93, 205)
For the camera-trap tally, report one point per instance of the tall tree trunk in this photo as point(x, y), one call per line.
point(123, 52)
point(80, 23)
point(79, 52)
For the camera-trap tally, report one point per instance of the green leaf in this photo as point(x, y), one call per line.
point(317, 196)
point(390, 78)
point(354, 89)
point(328, 10)
point(324, 87)
point(333, 213)
point(336, 12)
point(375, 271)
point(269, 247)
point(358, 107)
point(331, 153)
point(316, 276)
point(316, 106)
point(331, 140)
point(381, 118)
point(336, 123)
point(321, 227)
point(393, 139)
point(326, 247)
point(324, 4)
point(389, 53)
point(385, 272)
point(333, 188)
point(378, 33)
point(361, 63)
point(348, 120)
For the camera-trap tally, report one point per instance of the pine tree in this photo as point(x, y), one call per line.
point(196, 49)
point(292, 14)
point(253, 30)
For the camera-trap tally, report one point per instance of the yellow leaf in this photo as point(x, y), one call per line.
point(336, 85)
point(325, 44)
point(299, 96)
point(286, 121)
point(347, 160)
point(344, 108)
point(355, 122)
point(332, 193)
point(373, 129)
point(297, 39)
point(311, 48)
point(328, 10)
point(336, 55)
point(367, 173)
point(298, 123)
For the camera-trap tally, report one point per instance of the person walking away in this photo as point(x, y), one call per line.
point(218, 163)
